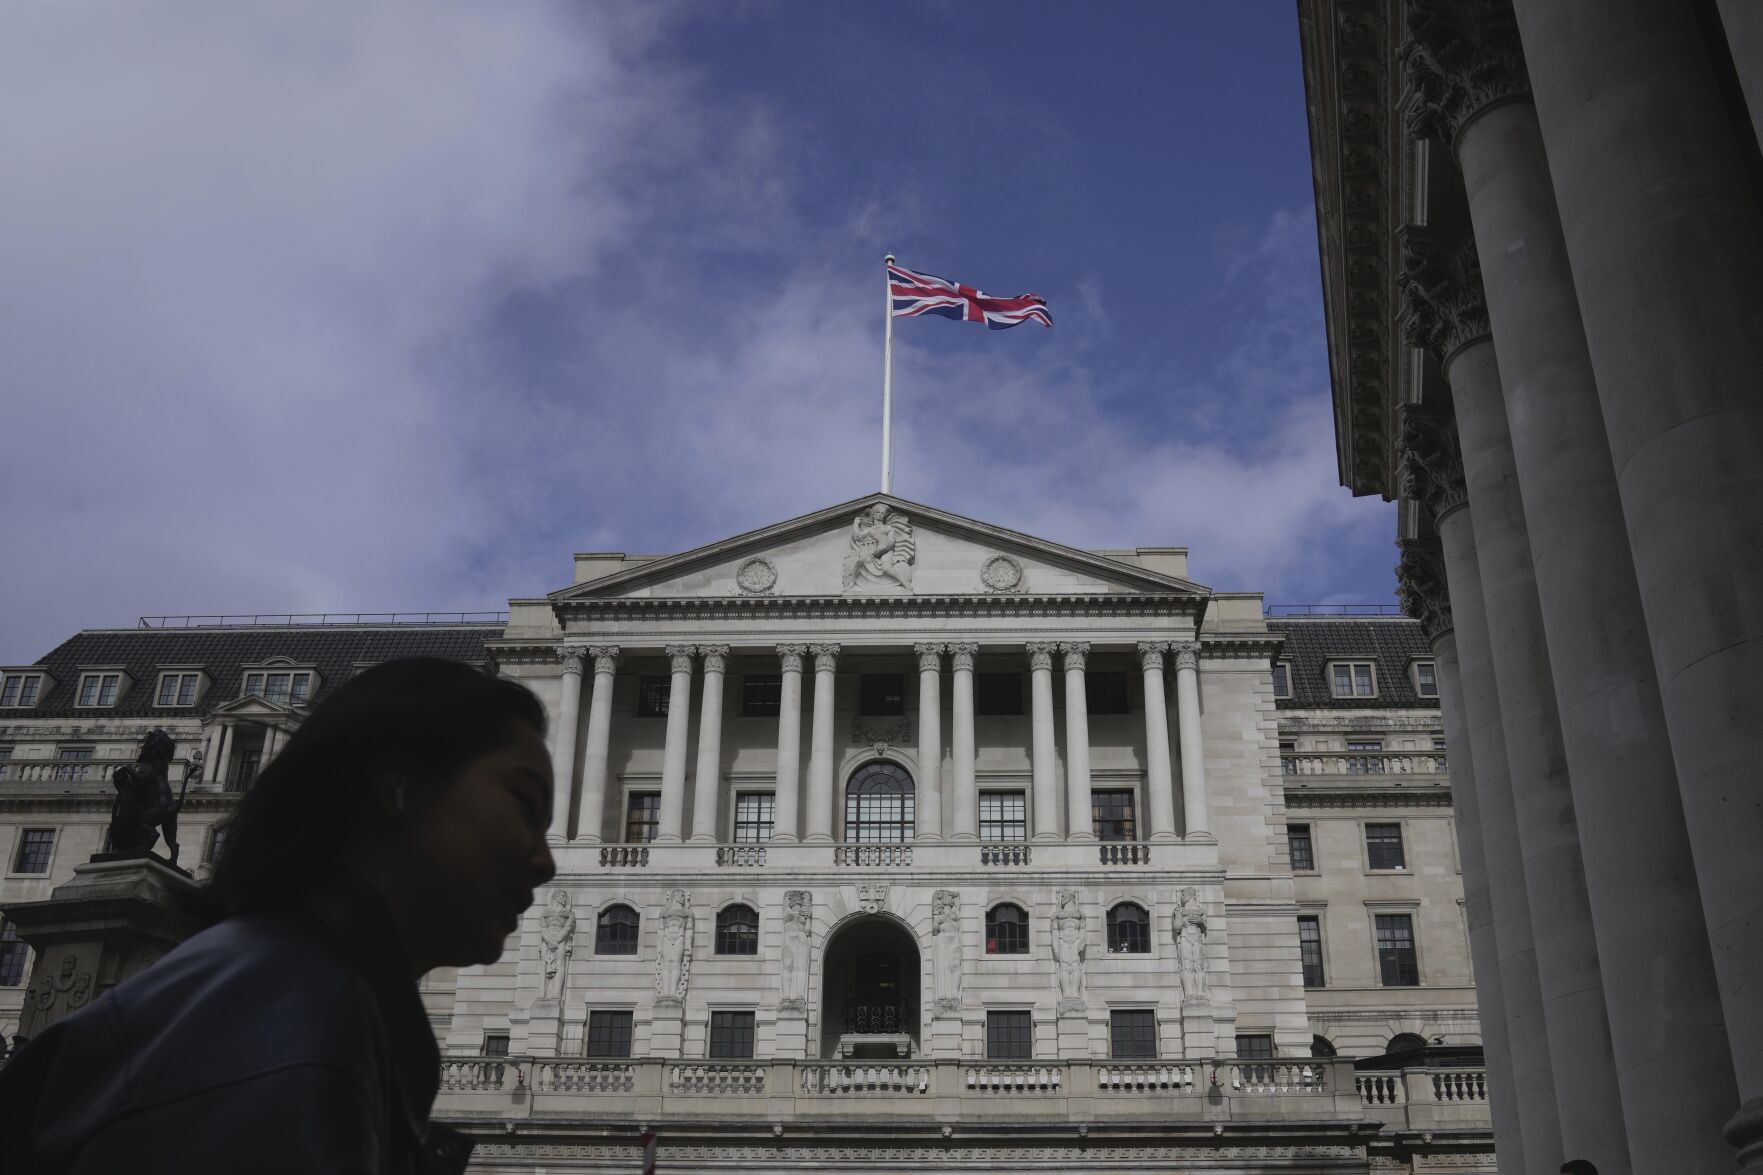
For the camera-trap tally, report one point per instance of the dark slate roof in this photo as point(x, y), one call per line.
point(1391, 641)
point(223, 652)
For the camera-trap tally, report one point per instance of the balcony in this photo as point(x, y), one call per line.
point(787, 857)
point(85, 770)
point(1337, 766)
point(1427, 1097)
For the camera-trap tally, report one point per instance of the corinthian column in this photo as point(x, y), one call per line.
point(789, 744)
point(964, 818)
point(673, 756)
point(593, 812)
point(1045, 760)
point(563, 742)
point(1194, 805)
point(1158, 781)
point(820, 750)
point(1079, 820)
point(930, 743)
point(707, 777)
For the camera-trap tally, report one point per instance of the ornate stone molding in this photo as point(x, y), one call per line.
point(1001, 573)
point(598, 611)
point(898, 734)
point(1076, 653)
point(961, 656)
point(1187, 655)
point(826, 657)
point(1420, 585)
point(1040, 654)
point(1430, 470)
point(680, 657)
point(1151, 654)
point(570, 657)
point(791, 656)
point(1460, 58)
point(930, 657)
point(715, 657)
point(1443, 306)
point(605, 658)
point(756, 577)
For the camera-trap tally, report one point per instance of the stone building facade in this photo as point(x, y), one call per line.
point(1542, 256)
point(885, 831)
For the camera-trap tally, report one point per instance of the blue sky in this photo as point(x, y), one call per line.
point(337, 307)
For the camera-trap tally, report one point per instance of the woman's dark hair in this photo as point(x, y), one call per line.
point(422, 719)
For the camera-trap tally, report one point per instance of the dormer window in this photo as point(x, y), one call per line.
point(283, 688)
point(1353, 679)
point(1426, 679)
point(99, 689)
point(178, 689)
point(21, 689)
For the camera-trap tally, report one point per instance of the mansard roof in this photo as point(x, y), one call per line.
point(223, 653)
point(1391, 643)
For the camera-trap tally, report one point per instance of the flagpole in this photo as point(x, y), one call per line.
point(887, 478)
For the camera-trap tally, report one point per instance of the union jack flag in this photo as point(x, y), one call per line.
point(917, 294)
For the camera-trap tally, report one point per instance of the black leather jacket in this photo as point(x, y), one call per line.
point(291, 1041)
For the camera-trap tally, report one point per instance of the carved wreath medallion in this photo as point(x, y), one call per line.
point(1001, 573)
point(756, 576)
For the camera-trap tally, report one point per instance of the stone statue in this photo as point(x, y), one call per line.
point(1069, 949)
point(144, 805)
point(945, 930)
point(673, 962)
point(556, 945)
point(882, 552)
point(1190, 944)
point(798, 917)
point(194, 767)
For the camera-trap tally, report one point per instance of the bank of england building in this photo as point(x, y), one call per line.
point(885, 836)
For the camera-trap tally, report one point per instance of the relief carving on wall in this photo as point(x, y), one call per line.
point(556, 945)
point(945, 930)
point(1001, 573)
point(70, 990)
point(872, 898)
point(1190, 944)
point(899, 733)
point(798, 921)
point(1069, 950)
point(882, 552)
point(756, 577)
point(673, 961)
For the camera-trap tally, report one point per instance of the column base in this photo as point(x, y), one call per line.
point(587, 838)
point(965, 837)
point(556, 838)
point(818, 838)
point(784, 838)
point(1044, 837)
point(667, 838)
point(1201, 838)
point(928, 838)
point(1082, 837)
point(1164, 838)
point(703, 838)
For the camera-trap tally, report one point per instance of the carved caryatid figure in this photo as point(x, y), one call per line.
point(945, 930)
point(556, 945)
point(882, 552)
point(798, 919)
point(1190, 944)
point(1069, 950)
point(673, 962)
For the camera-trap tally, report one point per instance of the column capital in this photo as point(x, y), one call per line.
point(1420, 585)
point(1075, 653)
point(1187, 654)
point(1040, 654)
point(715, 657)
point(1429, 467)
point(605, 658)
point(1461, 57)
point(1151, 654)
point(792, 655)
point(681, 657)
point(930, 657)
point(1444, 307)
point(826, 657)
point(961, 656)
point(571, 657)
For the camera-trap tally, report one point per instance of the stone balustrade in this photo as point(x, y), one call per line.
point(1355, 763)
point(624, 856)
point(1124, 852)
point(740, 856)
point(857, 1079)
point(1426, 1098)
point(873, 856)
point(76, 770)
point(1015, 1078)
point(1005, 853)
point(794, 858)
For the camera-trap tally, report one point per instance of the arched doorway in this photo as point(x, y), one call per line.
point(880, 804)
point(869, 1000)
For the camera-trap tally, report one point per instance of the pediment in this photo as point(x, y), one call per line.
point(879, 545)
point(252, 706)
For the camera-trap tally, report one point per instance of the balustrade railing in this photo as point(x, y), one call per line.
point(872, 856)
point(1459, 1085)
point(1004, 853)
point(624, 856)
point(1144, 1078)
point(1362, 763)
point(723, 1079)
point(1125, 852)
point(1380, 1089)
point(583, 1077)
point(1014, 1078)
point(1274, 1077)
point(868, 1016)
point(740, 856)
point(477, 1074)
point(859, 1079)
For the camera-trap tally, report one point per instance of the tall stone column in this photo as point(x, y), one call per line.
point(673, 755)
point(563, 731)
point(930, 743)
point(222, 752)
point(1045, 755)
point(1197, 823)
point(1665, 240)
point(1422, 587)
point(592, 820)
point(789, 745)
point(707, 775)
point(964, 813)
point(1670, 1040)
point(820, 748)
point(1158, 780)
point(1432, 474)
point(1079, 819)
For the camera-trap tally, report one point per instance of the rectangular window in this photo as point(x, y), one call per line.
point(642, 817)
point(1383, 846)
point(1426, 679)
point(1282, 680)
point(755, 817)
point(1440, 762)
point(762, 695)
point(1003, 815)
point(249, 762)
point(1288, 763)
point(1298, 845)
point(99, 689)
point(12, 955)
point(21, 689)
point(1254, 1046)
point(997, 693)
point(216, 840)
point(73, 763)
point(1010, 1036)
point(1132, 1033)
point(1310, 948)
point(301, 690)
point(731, 1034)
point(1105, 693)
point(1364, 756)
point(34, 848)
point(652, 696)
point(177, 689)
point(1395, 951)
point(1353, 679)
point(609, 1034)
point(881, 694)
point(1112, 813)
point(496, 1044)
point(5, 758)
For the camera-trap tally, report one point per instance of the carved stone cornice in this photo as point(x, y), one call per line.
point(1444, 308)
point(605, 658)
point(1151, 654)
point(930, 657)
point(1460, 58)
point(1075, 654)
point(1187, 655)
point(1040, 654)
point(680, 657)
point(571, 658)
point(598, 611)
point(826, 658)
point(715, 657)
point(1420, 586)
point(1430, 471)
point(961, 657)
point(1429, 796)
point(792, 655)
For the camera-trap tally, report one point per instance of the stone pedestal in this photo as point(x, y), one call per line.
point(667, 1028)
point(115, 918)
point(792, 1031)
point(1199, 1037)
point(544, 1029)
point(945, 1036)
point(1074, 1032)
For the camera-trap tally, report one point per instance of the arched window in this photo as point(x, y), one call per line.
point(879, 805)
point(737, 931)
point(1403, 1042)
point(1006, 930)
point(1321, 1046)
point(616, 931)
point(1129, 930)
